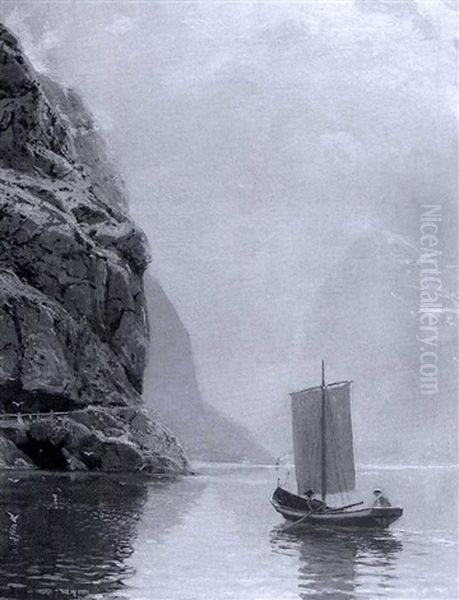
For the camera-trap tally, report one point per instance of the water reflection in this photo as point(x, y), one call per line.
point(331, 562)
point(210, 537)
point(70, 535)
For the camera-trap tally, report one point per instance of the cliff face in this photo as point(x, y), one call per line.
point(73, 322)
point(171, 387)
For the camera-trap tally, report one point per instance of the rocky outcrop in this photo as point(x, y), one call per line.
point(171, 387)
point(11, 457)
point(119, 439)
point(73, 322)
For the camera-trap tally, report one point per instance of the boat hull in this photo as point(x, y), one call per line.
point(294, 508)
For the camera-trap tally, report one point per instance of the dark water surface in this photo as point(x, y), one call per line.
point(215, 537)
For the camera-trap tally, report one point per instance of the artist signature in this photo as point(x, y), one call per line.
point(62, 593)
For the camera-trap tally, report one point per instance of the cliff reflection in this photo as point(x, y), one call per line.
point(331, 561)
point(68, 535)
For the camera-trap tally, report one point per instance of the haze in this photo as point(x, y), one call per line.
point(260, 142)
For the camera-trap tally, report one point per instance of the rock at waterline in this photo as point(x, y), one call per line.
point(112, 440)
point(13, 458)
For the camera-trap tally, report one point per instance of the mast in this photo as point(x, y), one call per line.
point(323, 470)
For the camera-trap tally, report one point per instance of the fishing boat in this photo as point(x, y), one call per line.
point(324, 462)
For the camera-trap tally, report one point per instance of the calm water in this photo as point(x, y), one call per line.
point(215, 537)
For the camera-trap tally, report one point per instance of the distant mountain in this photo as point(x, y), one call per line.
point(365, 324)
point(171, 387)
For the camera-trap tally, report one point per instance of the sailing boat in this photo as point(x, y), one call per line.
point(324, 461)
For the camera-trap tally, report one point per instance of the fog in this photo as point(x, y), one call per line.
point(267, 147)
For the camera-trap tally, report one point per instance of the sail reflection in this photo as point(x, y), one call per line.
point(332, 561)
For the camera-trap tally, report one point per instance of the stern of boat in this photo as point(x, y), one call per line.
point(385, 516)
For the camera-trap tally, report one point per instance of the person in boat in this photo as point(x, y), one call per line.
point(314, 504)
point(380, 500)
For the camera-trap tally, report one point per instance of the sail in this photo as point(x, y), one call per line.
point(306, 412)
point(307, 439)
point(338, 438)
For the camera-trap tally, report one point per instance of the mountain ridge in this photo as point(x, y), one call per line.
point(172, 388)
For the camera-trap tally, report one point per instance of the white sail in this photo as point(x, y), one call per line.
point(338, 458)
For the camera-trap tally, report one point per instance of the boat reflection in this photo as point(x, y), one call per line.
point(71, 535)
point(332, 561)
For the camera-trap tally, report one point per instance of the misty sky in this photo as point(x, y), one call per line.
point(259, 141)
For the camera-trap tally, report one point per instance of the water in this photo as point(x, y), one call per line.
point(215, 537)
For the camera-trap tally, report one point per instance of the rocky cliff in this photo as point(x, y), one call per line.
point(73, 322)
point(171, 387)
